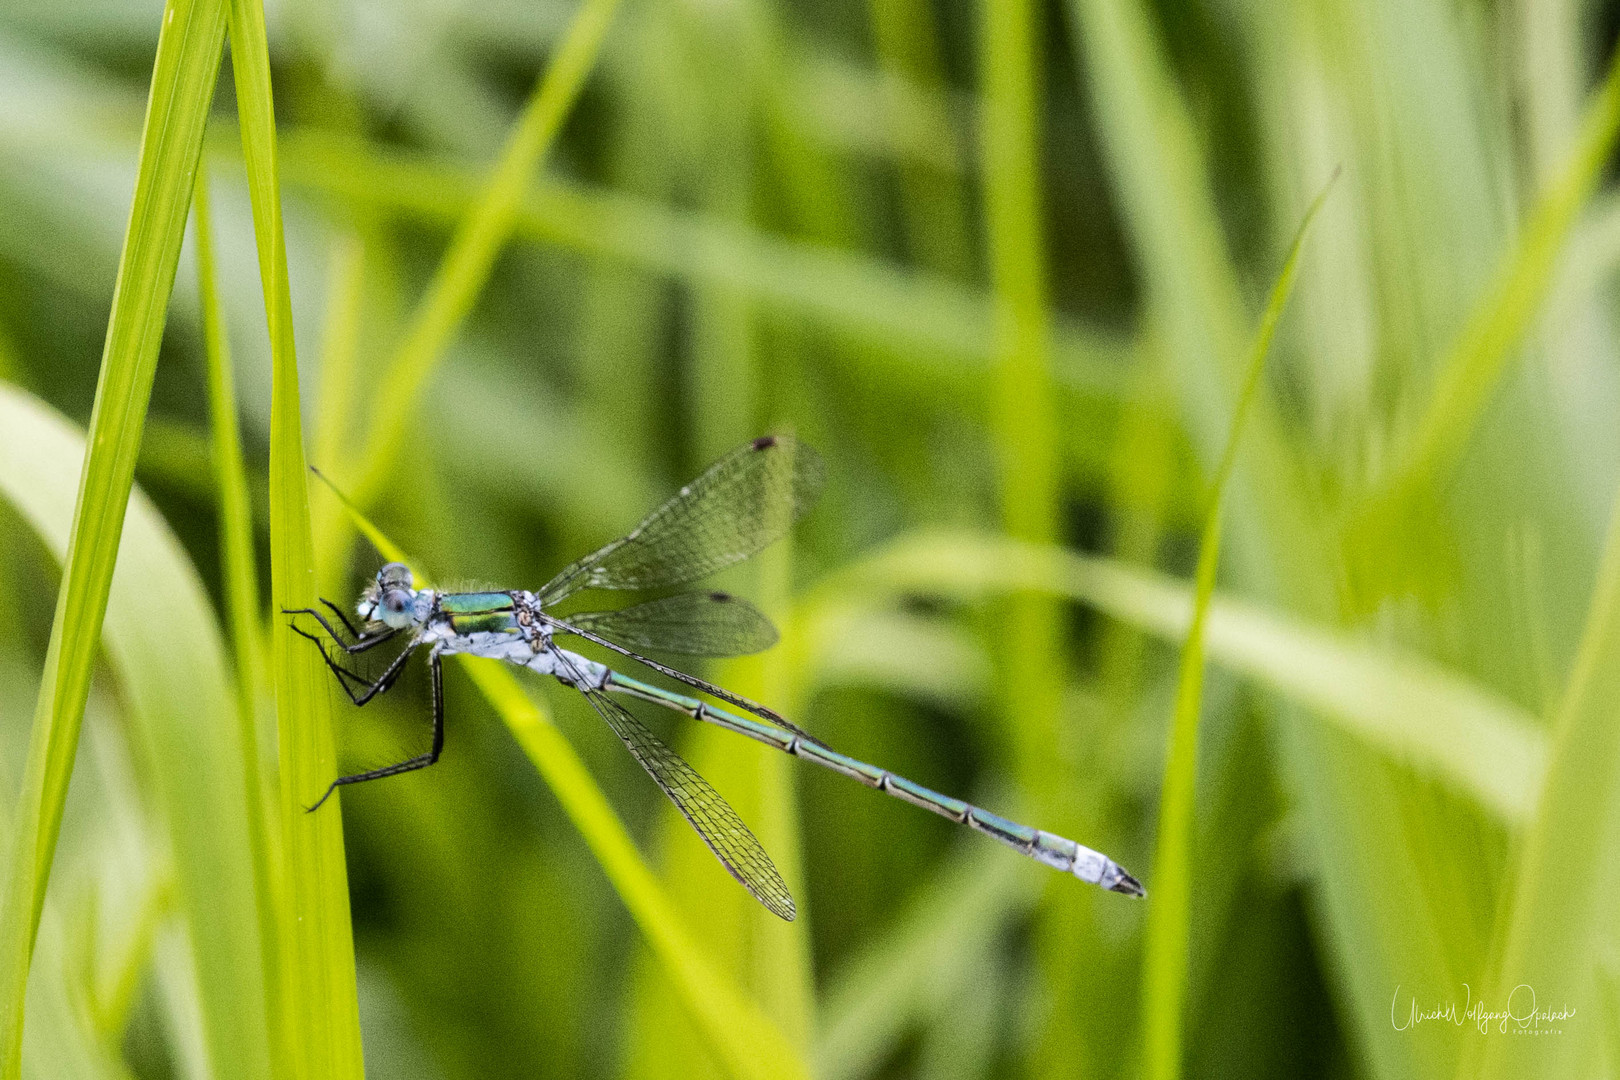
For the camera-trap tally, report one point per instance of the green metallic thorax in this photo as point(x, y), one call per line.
point(479, 612)
point(474, 603)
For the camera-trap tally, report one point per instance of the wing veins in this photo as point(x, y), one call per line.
point(738, 850)
point(745, 704)
point(738, 506)
point(693, 623)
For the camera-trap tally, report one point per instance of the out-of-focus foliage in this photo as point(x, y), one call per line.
point(1003, 265)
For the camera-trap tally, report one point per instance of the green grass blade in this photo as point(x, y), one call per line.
point(1415, 710)
point(180, 699)
point(1162, 183)
point(1162, 179)
point(340, 387)
point(478, 240)
point(183, 77)
point(1024, 423)
point(230, 473)
point(1477, 361)
point(1023, 429)
point(1169, 921)
point(746, 1039)
point(317, 1024)
point(340, 391)
point(1560, 905)
point(768, 960)
point(726, 387)
point(241, 587)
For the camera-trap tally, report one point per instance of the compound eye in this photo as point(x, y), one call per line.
point(395, 601)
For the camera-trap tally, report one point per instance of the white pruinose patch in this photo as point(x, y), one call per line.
point(516, 649)
point(495, 644)
point(1089, 865)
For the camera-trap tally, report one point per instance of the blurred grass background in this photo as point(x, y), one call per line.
point(1003, 265)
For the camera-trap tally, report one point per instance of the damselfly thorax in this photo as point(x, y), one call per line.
point(507, 626)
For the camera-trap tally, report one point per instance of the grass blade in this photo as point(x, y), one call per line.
point(183, 76)
point(479, 238)
point(1412, 709)
point(1194, 300)
point(1478, 359)
point(180, 701)
point(1024, 422)
point(1164, 986)
point(230, 473)
point(241, 587)
point(1030, 639)
point(1559, 904)
point(317, 1024)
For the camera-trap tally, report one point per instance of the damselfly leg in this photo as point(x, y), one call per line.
point(362, 689)
point(359, 644)
point(411, 764)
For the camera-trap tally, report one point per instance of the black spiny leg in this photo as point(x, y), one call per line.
point(347, 625)
point(420, 761)
point(361, 642)
point(363, 689)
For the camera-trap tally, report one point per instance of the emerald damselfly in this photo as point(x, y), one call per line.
point(744, 502)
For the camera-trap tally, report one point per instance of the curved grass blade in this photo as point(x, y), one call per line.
point(1474, 366)
point(183, 76)
point(1164, 985)
point(181, 703)
point(1561, 904)
point(317, 1024)
point(1412, 709)
point(750, 1044)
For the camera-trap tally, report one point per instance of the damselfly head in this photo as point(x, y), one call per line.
point(395, 575)
point(391, 597)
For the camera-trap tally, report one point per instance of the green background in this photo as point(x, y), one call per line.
point(1003, 266)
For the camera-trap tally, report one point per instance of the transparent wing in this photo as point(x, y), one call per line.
point(713, 818)
point(678, 675)
point(693, 624)
point(744, 502)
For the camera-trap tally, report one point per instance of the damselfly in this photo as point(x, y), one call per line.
point(744, 502)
